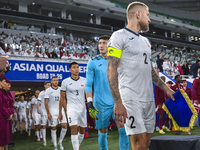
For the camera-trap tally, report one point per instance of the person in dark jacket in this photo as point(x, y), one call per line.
point(185, 68)
point(195, 67)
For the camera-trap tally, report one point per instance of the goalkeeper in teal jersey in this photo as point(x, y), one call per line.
point(102, 104)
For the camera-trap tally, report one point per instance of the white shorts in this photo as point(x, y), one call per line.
point(30, 122)
point(15, 118)
point(77, 117)
point(22, 118)
point(36, 118)
point(141, 117)
point(44, 119)
point(55, 121)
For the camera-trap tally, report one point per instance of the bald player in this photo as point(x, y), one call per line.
point(129, 53)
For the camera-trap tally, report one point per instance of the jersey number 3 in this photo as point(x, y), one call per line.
point(145, 60)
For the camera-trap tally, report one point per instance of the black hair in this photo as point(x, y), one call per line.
point(73, 63)
point(176, 76)
point(54, 77)
point(104, 37)
point(197, 61)
point(1, 79)
point(46, 82)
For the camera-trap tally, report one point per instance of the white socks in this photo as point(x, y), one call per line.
point(26, 125)
point(75, 142)
point(37, 134)
point(43, 131)
point(20, 126)
point(80, 138)
point(54, 137)
point(62, 134)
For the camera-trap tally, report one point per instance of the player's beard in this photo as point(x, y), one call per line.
point(144, 26)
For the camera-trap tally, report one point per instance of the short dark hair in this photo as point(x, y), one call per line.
point(73, 63)
point(197, 60)
point(46, 82)
point(21, 95)
point(176, 76)
point(104, 37)
point(1, 79)
point(54, 77)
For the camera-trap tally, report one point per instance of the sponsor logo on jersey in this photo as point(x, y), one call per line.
point(131, 38)
point(70, 84)
point(100, 65)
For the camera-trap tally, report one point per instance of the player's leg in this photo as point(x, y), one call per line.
point(37, 132)
point(82, 124)
point(63, 130)
point(123, 137)
point(43, 131)
point(29, 126)
point(161, 115)
point(26, 123)
point(139, 141)
point(102, 125)
point(20, 123)
point(53, 123)
point(36, 118)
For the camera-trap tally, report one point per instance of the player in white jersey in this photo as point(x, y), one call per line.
point(42, 111)
point(35, 116)
point(73, 100)
point(129, 54)
point(28, 114)
point(21, 112)
point(52, 98)
point(15, 119)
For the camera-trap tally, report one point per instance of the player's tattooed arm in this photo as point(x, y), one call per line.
point(156, 79)
point(112, 65)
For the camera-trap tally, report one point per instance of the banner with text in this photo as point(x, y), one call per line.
point(40, 71)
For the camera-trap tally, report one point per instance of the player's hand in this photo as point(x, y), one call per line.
point(92, 110)
point(10, 117)
point(31, 117)
point(120, 112)
point(38, 111)
point(49, 116)
point(170, 94)
point(159, 106)
point(60, 116)
point(14, 115)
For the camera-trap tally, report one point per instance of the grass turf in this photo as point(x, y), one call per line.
point(24, 142)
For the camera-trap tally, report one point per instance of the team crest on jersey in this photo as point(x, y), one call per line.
point(82, 85)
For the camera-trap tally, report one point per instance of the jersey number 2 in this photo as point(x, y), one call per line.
point(133, 119)
point(145, 60)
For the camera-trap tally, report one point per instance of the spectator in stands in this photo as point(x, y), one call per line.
point(185, 68)
point(15, 26)
point(17, 53)
point(53, 54)
point(8, 46)
point(45, 28)
point(194, 68)
point(166, 66)
point(159, 62)
point(9, 24)
point(5, 24)
point(69, 17)
point(44, 55)
point(61, 51)
point(50, 14)
point(65, 56)
point(46, 52)
point(2, 45)
point(37, 54)
point(196, 89)
point(180, 68)
point(8, 51)
point(175, 70)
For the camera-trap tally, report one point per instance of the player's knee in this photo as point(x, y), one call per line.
point(82, 131)
point(74, 130)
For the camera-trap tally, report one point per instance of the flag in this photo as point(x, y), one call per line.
point(181, 111)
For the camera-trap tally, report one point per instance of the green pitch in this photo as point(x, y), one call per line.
point(24, 142)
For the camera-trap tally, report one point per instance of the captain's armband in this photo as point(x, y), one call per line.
point(114, 52)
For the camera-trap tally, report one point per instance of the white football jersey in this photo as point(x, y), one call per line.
point(42, 103)
point(134, 71)
point(22, 107)
point(75, 92)
point(28, 106)
point(34, 103)
point(54, 98)
point(15, 105)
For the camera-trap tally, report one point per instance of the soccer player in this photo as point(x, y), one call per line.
point(35, 116)
point(21, 112)
point(52, 98)
point(102, 100)
point(15, 117)
point(43, 111)
point(73, 94)
point(28, 114)
point(132, 90)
